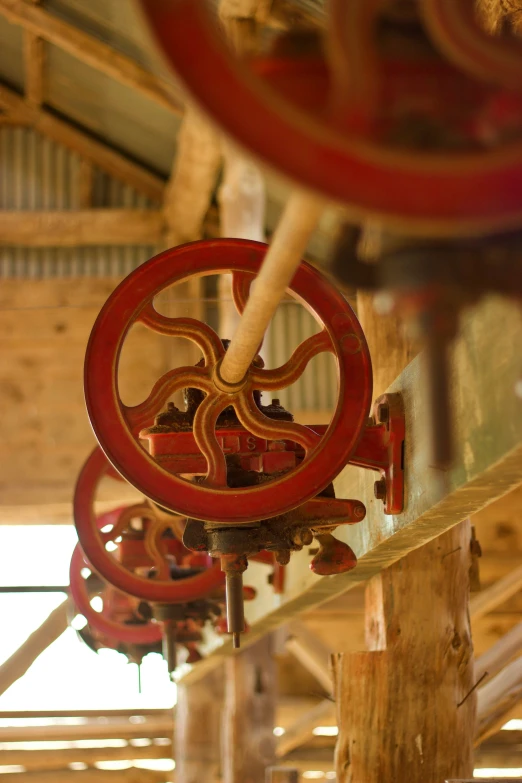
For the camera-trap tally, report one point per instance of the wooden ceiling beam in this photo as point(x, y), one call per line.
point(40, 760)
point(90, 50)
point(34, 65)
point(106, 158)
point(85, 227)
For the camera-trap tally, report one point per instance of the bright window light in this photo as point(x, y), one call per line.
point(107, 681)
point(113, 765)
point(161, 765)
point(313, 774)
point(513, 725)
point(77, 766)
point(330, 775)
point(97, 603)
point(279, 731)
point(325, 731)
point(498, 773)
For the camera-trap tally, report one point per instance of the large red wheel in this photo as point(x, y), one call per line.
point(117, 426)
point(328, 123)
point(93, 541)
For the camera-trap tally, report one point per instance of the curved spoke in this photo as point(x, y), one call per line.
point(142, 415)
point(205, 338)
point(153, 547)
point(205, 436)
point(291, 371)
point(241, 282)
point(131, 512)
point(260, 425)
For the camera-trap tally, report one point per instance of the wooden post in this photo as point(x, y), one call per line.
point(197, 735)
point(249, 714)
point(405, 710)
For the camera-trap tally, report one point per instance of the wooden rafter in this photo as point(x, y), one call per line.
point(72, 228)
point(87, 146)
point(89, 50)
point(34, 65)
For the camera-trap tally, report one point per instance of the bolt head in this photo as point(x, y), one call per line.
point(383, 413)
point(379, 489)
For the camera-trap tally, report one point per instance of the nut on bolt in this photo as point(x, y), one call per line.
point(379, 489)
point(302, 537)
point(383, 413)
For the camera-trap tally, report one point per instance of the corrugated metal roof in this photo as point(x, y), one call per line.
point(36, 173)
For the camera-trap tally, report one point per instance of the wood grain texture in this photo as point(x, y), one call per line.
point(488, 464)
point(97, 54)
point(420, 651)
point(84, 227)
point(198, 730)
point(249, 714)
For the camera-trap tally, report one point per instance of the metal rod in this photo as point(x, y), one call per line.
point(281, 261)
point(235, 608)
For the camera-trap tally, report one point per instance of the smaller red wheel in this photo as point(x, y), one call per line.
point(93, 541)
point(140, 634)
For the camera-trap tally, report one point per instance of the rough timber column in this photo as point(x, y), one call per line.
point(197, 734)
point(401, 706)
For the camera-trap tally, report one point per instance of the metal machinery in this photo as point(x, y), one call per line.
point(406, 112)
point(247, 479)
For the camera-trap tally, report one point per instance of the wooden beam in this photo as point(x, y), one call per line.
point(39, 22)
point(488, 464)
point(87, 146)
point(198, 723)
point(249, 713)
point(73, 228)
point(132, 775)
point(498, 656)
point(41, 760)
point(23, 658)
point(488, 600)
point(311, 653)
point(151, 728)
point(302, 729)
point(496, 698)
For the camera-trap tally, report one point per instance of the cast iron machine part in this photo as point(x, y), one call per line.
point(429, 283)
point(147, 546)
point(144, 548)
point(258, 470)
point(411, 115)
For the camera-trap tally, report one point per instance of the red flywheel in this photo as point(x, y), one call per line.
point(151, 550)
point(338, 123)
point(118, 426)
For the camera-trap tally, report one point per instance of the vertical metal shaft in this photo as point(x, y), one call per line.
point(235, 609)
point(169, 644)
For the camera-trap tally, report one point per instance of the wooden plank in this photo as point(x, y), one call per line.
point(36, 643)
point(322, 714)
point(488, 464)
point(493, 596)
point(249, 714)
point(102, 155)
point(498, 656)
point(132, 775)
point(84, 227)
point(198, 730)
point(91, 51)
point(119, 729)
point(34, 64)
point(496, 698)
point(41, 760)
point(311, 653)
